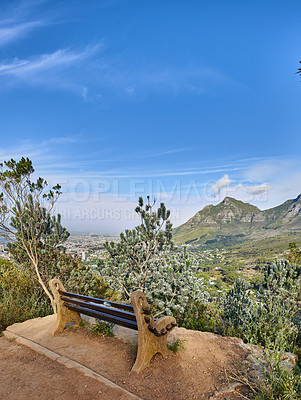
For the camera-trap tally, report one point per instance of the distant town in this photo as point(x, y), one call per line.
point(87, 246)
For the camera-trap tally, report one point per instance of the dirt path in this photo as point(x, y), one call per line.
point(199, 372)
point(24, 374)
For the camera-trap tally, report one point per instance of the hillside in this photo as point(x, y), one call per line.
point(233, 221)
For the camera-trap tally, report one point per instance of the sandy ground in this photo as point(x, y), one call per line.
point(24, 374)
point(201, 371)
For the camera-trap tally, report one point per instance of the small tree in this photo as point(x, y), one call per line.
point(271, 315)
point(26, 214)
point(137, 247)
point(294, 253)
point(237, 306)
point(142, 261)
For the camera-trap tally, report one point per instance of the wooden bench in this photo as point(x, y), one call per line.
point(152, 333)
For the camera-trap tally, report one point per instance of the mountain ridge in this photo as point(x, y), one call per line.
point(232, 221)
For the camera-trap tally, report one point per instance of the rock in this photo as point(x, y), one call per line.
point(126, 334)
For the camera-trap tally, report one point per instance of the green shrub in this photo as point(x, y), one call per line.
point(279, 383)
point(269, 314)
point(170, 281)
point(11, 312)
point(19, 298)
point(269, 318)
point(201, 317)
point(101, 328)
point(178, 344)
point(75, 275)
point(238, 309)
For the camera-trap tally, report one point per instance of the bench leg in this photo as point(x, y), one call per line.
point(64, 315)
point(152, 335)
point(148, 346)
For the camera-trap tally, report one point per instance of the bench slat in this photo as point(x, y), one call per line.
point(105, 317)
point(126, 307)
point(101, 308)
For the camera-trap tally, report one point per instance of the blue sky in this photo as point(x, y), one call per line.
point(184, 101)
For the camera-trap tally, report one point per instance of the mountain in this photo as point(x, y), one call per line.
point(233, 221)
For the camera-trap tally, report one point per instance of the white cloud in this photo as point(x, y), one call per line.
point(59, 70)
point(245, 190)
point(256, 189)
point(25, 149)
point(61, 140)
point(6, 67)
point(114, 75)
point(282, 175)
point(92, 184)
point(221, 184)
point(18, 31)
point(112, 213)
point(45, 62)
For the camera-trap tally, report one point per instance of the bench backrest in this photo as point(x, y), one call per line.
point(110, 311)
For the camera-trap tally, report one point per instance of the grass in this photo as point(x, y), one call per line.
point(102, 329)
point(195, 234)
point(178, 344)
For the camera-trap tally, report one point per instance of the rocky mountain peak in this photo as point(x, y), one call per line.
point(233, 218)
point(229, 200)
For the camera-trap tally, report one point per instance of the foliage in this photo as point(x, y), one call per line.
point(282, 276)
point(130, 259)
point(178, 344)
point(38, 235)
point(19, 298)
point(267, 315)
point(230, 276)
point(294, 253)
point(75, 275)
point(238, 307)
point(279, 382)
point(143, 260)
point(26, 213)
point(170, 282)
point(269, 318)
point(282, 291)
point(202, 317)
point(282, 385)
point(101, 328)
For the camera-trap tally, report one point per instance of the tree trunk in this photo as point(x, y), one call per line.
point(35, 265)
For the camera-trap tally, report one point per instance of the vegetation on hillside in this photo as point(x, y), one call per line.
point(234, 222)
point(242, 291)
